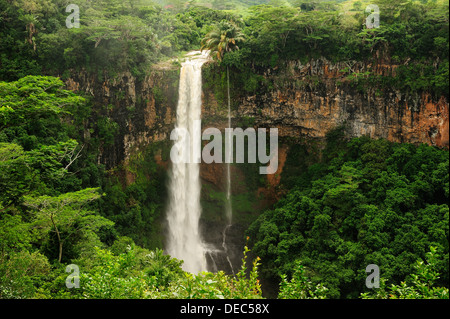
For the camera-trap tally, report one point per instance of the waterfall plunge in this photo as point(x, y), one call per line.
point(184, 241)
point(228, 206)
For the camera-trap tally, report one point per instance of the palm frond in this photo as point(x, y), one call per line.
point(222, 39)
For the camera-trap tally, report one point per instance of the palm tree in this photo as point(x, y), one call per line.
point(222, 39)
point(219, 41)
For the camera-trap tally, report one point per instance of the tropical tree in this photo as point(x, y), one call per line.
point(300, 287)
point(222, 39)
point(419, 285)
point(67, 213)
point(32, 98)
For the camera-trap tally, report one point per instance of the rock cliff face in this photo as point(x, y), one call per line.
point(310, 99)
point(145, 110)
point(307, 100)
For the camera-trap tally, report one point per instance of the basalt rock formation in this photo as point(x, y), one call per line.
point(306, 100)
point(310, 99)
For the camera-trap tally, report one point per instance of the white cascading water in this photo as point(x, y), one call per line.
point(228, 207)
point(184, 240)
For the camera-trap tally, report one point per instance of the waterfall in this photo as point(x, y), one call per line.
point(228, 208)
point(184, 209)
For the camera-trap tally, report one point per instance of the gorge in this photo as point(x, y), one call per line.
point(307, 100)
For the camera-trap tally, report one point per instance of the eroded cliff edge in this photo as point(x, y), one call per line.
point(312, 98)
point(303, 100)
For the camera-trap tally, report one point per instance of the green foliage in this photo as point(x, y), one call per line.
point(49, 124)
point(113, 37)
point(21, 274)
point(107, 130)
point(412, 35)
point(113, 277)
point(34, 104)
point(18, 21)
point(300, 287)
point(43, 167)
point(116, 37)
point(137, 273)
point(16, 177)
point(161, 268)
point(137, 207)
point(68, 214)
point(222, 39)
point(372, 202)
point(216, 285)
point(15, 235)
point(251, 288)
point(419, 285)
point(362, 202)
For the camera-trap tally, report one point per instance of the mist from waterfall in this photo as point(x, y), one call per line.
point(184, 210)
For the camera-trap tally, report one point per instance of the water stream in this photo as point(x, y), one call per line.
point(228, 207)
point(184, 209)
point(184, 240)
